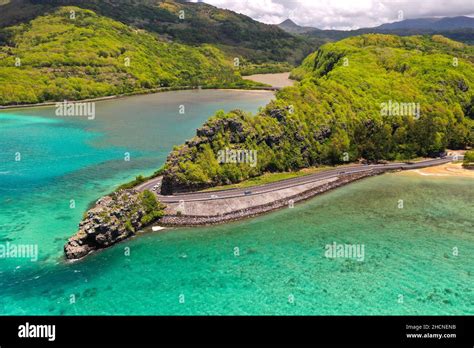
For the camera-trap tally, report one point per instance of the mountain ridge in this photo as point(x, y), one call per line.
point(291, 27)
point(185, 22)
point(432, 23)
point(460, 28)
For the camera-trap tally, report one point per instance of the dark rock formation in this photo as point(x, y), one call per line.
point(231, 127)
point(171, 182)
point(113, 219)
point(323, 134)
point(273, 139)
point(280, 113)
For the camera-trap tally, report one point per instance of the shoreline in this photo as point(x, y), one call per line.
point(189, 220)
point(448, 170)
point(279, 80)
point(174, 220)
point(123, 96)
point(205, 210)
point(79, 246)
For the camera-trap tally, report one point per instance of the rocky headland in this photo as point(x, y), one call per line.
point(113, 219)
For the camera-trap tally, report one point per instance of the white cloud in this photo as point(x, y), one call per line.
point(344, 14)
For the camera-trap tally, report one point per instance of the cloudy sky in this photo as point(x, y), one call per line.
point(344, 14)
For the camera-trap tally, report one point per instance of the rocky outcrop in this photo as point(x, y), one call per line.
point(113, 219)
point(231, 127)
point(172, 182)
point(322, 134)
point(278, 113)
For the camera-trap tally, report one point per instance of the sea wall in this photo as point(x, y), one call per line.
point(123, 214)
point(204, 213)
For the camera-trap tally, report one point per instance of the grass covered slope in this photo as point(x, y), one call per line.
point(92, 56)
point(182, 21)
point(338, 112)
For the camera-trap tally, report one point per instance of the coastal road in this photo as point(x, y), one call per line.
point(287, 183)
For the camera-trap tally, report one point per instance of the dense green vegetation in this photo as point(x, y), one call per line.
point(268, 178)
point(336, 112)
point(59, 57)
point(137, 209)
point(266, 68)
point(469, 159)
point(182, 21)
point(140, 179)
point(153, 209)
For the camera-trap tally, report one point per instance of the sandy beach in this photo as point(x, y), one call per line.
point(444, 170)
point(279, 80)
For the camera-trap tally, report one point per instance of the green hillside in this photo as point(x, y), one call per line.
point(56, 57)
point(181, 21)
point(338, 112)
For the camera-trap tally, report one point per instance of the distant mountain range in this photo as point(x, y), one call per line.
point(445, 23)
point(458, 28)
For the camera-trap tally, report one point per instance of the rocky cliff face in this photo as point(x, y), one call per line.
point(113, 219)
point(233, 127)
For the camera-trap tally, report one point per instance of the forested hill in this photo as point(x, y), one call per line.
point(56, 57)
point(181, 21)
point(373, 96)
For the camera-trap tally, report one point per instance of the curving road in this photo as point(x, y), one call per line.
point(287, 183)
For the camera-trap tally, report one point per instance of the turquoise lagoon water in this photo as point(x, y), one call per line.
point(280, 267)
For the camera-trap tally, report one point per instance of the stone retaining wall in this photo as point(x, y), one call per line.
point(173, 219)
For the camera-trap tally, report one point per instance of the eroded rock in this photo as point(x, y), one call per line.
point(113, 219)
